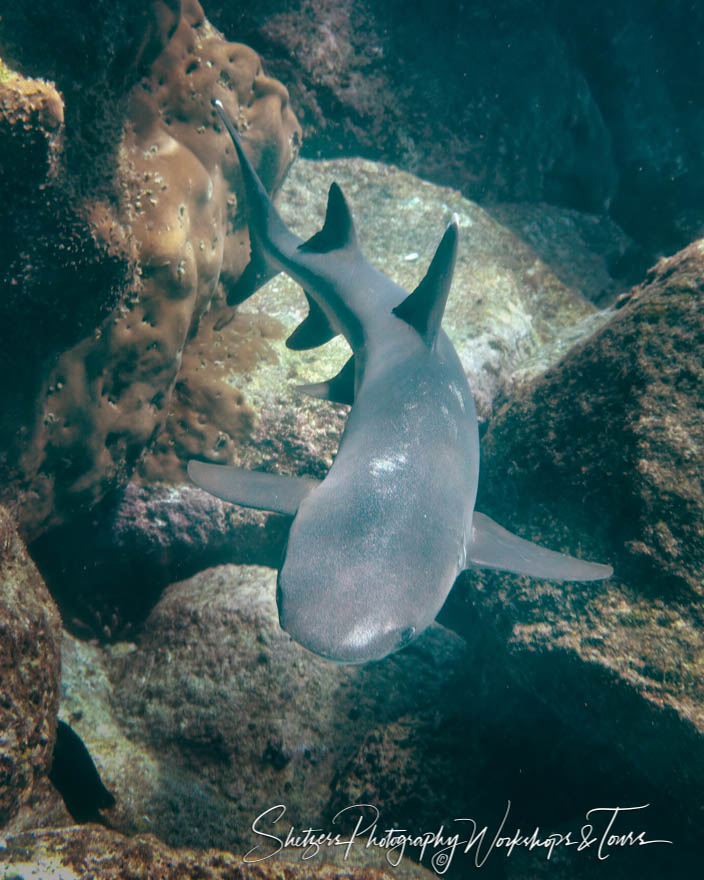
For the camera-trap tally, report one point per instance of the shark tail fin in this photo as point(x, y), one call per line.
point(314, 329)
point(251, 488)
point(338, 230)
point(423, 309)
point(339, 389)
point(264, 220)
point(492, 546)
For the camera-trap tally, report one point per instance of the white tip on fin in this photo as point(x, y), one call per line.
point(492, 546)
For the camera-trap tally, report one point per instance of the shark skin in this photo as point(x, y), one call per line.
point(375, 547)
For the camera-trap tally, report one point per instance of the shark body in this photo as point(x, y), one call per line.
point(375, 547)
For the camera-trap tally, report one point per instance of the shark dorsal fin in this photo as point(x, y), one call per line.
point(338, 230)
point(423, 309)
point(314, 329)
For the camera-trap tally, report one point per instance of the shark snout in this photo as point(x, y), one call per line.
point(361, 647)
point(331, 635)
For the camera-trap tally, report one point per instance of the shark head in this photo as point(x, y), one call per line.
point(338, 596)
point(335, 627)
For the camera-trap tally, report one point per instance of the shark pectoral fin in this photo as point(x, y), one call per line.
point(492, 546)
point(339, 389)
point(423, 309)
point(261, 491)
point(314, 329)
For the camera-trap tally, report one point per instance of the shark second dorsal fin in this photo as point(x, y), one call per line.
point(339, 389)
point(314, 329)
point(338, 230)
point(423, 309)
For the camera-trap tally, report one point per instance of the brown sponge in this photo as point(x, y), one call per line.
point(175, 229)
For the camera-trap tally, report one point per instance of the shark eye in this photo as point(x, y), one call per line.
point(406, 636)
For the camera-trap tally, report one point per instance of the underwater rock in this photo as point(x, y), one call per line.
point(456, 109)
point(641, 64)
point(217, 715)
point(587, 252)
point(491, 754)
point(30, 665)
point(91, 851)
point(608, 445)
point(590, 107)
point(434, 735)
point(107, 568)
point(169, 230)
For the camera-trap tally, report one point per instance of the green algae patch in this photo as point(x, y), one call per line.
point(5, 72)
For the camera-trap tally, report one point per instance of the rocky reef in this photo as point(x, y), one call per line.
point(591, 107)
point(30, 668)
point(619, 462)
point(508, 314)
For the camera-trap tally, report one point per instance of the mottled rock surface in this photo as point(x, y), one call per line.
point(369, 81)
point(217, 715)
point(152, 535)
point(90, 851)
point(591, 107)
point(30, 663)
point(587, 252)
point(602, 456)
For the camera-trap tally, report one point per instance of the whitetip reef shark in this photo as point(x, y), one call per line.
point(375, 547)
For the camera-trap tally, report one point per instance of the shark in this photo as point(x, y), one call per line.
point(374, 548)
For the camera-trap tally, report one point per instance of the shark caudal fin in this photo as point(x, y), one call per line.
point(492, 546)
point(261, 491)
point(423, 309)
point(265, 224)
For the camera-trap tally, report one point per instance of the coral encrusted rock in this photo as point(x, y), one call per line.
point(30, 661)
point(171, 230)
point(602, 457)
